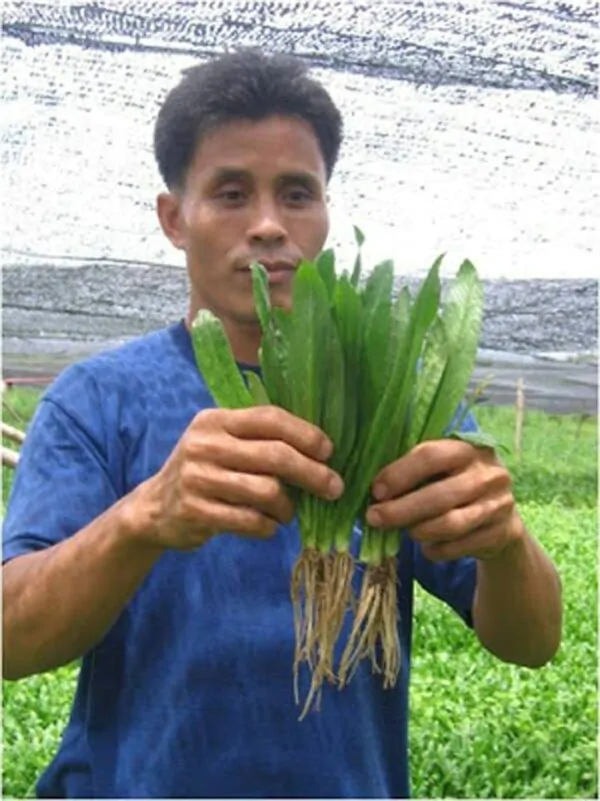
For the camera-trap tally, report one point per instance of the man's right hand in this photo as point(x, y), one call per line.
point(227, 473)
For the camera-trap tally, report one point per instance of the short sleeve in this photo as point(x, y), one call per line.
point(452, 582)
point(63, 480)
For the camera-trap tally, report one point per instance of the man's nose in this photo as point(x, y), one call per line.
point(266, 225)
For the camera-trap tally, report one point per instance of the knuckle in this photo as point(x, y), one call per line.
point(430, 456)
point(278, 456)
point(455, 521)
point(260, 525)
point(315, 438)
point(317, 479)
point(446, 500)
point(210, 448)
point(187, 477)
point(497, 476)
point(288, 514)
point(189, 508)
point(270, 490)
point(270, 415)
point(208, 418)
point(194, 478)
point(506, 503)
point(433, 553)
point(269, 528)
point(206, 447)
point(207, 518)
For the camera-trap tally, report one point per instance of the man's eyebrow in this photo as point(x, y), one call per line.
point(298, 177)
point(224, 174)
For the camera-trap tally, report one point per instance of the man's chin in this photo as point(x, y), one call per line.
point(281, 297)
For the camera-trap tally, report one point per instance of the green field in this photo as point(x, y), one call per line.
point(479, 728)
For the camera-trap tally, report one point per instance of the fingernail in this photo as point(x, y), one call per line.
point(335, 487)
point(374, 517)
point(380, 491)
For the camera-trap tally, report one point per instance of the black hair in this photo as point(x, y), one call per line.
point(244, 85)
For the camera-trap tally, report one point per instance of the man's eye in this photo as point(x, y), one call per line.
point(298, 195)
point(231, 195)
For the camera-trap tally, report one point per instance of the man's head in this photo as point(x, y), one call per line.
point(246, 144)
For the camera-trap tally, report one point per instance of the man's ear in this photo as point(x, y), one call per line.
point(168, 210)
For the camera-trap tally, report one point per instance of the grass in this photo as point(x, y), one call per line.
point(483, 729)
point(479, 728)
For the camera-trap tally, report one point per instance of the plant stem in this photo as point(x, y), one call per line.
point(393, 543)
point(379, 538)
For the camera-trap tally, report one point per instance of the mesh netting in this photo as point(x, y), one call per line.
point(500, 44)
point(470, 127)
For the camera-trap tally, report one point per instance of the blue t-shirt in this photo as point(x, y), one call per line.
point(190, 693)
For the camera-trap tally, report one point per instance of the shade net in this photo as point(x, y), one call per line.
point(469, 126)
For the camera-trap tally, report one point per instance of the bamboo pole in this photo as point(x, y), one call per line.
point(10, 458)
point(12, 433)
point(519, 418)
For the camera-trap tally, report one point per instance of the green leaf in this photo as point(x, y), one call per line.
point(429, 379)
point(423, 313)
point(360, 238)
point(257, 388)
point(377, 312)
point(215, 360)
point(333, 418)
point(273, 352)
point(309, 323)
point(462, 316)
point(387, 440)
point(262, 299)
point(348, 320)
point(400, 320)
point(380, 436)
point(326, 267)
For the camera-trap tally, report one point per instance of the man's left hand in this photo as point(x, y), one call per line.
point(455, 500)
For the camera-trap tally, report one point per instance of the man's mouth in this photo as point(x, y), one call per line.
point(279, 272)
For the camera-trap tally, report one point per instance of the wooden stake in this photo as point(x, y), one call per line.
point(520, 416)
point(9, 458)
point(12, 433)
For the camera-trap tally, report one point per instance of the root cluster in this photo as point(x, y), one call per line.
point(322, 595)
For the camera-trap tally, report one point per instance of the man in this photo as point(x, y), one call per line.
point(151, 533)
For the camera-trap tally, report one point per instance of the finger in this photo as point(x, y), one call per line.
point(429, 459)
point(264, 493)
point(438, 498)
point(274, 458)
point(217, 517)
point(483, 543)
point(272, 422)
point(457, 523)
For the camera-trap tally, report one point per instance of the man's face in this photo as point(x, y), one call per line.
point(256, 191)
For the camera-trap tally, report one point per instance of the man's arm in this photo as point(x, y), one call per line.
point(60, 601)
point(467, 509)
point(517, 612)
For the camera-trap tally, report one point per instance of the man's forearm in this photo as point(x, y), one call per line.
point(517, 611)
point(61, 601)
